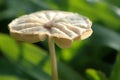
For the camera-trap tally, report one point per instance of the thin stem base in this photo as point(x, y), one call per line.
point(53, 59)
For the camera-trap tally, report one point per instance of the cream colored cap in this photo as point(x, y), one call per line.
point(64, 27)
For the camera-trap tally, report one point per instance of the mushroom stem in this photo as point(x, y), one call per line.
point(53, 59)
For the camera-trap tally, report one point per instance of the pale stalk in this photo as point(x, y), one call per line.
point(53, 59)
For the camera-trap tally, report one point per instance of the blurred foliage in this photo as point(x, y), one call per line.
point(96, 58)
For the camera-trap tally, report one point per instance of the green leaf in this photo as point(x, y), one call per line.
point(114, 2)
point(67, 54)
point(115, 75)
point(9, 72)
point(32, 60)
point(66, 73)
point(7, 77)
point(105, 36)
point(25, 56)
point(95, 75)
point(15, 8)
point(89, 9)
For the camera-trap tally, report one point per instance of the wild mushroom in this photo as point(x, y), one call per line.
point(59, 26)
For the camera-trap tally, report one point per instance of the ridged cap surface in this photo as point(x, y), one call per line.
point(64, 27)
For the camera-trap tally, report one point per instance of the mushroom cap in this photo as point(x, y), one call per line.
point(63, 27)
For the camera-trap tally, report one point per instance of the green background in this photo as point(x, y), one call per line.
point(96, 58)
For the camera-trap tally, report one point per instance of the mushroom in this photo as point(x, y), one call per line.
point(59, 26)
